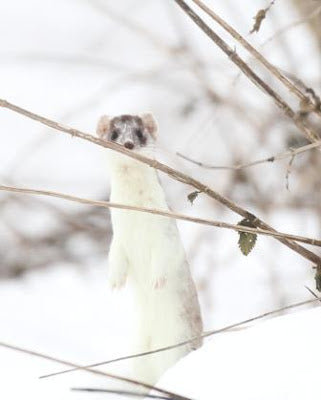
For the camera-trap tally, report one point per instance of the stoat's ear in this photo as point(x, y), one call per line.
point(103, 126)
point(150, 124)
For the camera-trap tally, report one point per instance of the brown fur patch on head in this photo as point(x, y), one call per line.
point(103, 126)
point(126, 118)
point(150, 124)
point(129, 118)
point(144, 123)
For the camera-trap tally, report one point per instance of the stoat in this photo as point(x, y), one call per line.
point(146, 251)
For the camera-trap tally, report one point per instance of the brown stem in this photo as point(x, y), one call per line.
point(93, 371)
point(287, 110)
point(202, 221)
point(204, 335)
point(270, 67)
point(177, 175)
point(280, 156)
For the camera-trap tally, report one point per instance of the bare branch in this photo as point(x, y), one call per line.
point(73, 59)
point(256, 54)
point(93, 371)
point(312, 292)
point(287, 110)
point(288, 172)
point(173, 173)
point(204, 335)
point(280, 156)
point(106, 204)
point(121, 18)
point(315, 13)
point(120, 393)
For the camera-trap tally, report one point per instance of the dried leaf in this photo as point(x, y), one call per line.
point(260, 16)
point(192, 196)
point(246, 240)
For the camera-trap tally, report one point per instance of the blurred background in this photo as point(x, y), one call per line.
point(74, 60)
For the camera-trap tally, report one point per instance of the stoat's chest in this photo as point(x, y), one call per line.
point(138, 187)
point(143, 236)
point(140, 232)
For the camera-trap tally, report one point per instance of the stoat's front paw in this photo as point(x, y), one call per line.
point(117, 280)
point(159, 282)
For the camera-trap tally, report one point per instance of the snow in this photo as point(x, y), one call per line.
point(74, 316)
point(278, 359)
point(69, 61)
point(63, 313)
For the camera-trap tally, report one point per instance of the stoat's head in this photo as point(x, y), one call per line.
point(131, 131)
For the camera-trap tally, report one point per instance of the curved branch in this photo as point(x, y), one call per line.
point(280, 156)
point(237, 60)
point(173, 173)
point(170, 214)
point(204, 335)
point(256, 54)
point(93, 371)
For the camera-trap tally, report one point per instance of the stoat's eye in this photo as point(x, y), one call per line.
point(139, 134)
point(114, 135)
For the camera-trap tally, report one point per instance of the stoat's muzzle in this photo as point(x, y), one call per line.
point(129, 145)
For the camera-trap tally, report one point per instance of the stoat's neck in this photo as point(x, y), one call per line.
point(135, 183)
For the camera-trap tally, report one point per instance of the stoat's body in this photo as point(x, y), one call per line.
point(146, 251)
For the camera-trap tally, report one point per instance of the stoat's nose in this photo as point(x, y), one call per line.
point(129, 145)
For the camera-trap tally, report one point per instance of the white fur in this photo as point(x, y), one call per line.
point(146, 252)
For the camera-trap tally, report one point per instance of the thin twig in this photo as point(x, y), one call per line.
point(129, 23)
point(67, 59)
point(287, 110)
point(288, 172)
point(315, 13)
point(271, 159)
point(312, 292)
point(256, 54)
point(170, 214)
point(173, 173)
point(204, 335)
point(121, 393)
point(93, 371)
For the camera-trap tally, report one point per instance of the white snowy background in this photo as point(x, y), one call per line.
point(72, 61)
